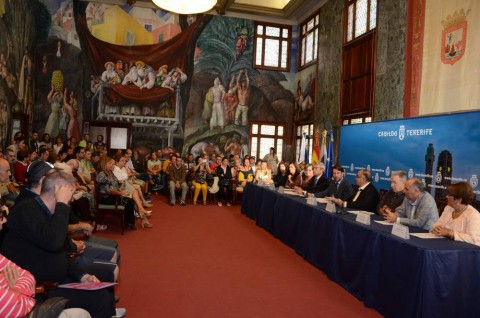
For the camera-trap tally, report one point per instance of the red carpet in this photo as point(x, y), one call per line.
point(214, 262)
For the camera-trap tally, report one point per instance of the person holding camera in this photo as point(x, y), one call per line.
point(200, 171)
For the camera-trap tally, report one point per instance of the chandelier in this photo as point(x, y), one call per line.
point(185, 6)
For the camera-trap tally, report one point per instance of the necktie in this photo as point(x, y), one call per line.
point(337, 184)
point(357, 195)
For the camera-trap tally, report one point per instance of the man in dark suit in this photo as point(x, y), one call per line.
point(366, 196)
point(339, 187)
point(320, 181)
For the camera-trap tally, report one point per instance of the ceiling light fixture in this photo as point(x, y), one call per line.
point(185, 6)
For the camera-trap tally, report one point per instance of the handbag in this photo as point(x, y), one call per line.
point(209, 179)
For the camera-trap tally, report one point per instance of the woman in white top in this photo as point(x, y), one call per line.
point(459, 220)
point(121, 173)
point(263, 174)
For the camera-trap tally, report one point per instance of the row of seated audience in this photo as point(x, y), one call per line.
point(130, 178)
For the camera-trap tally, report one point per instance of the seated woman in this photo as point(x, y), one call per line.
point(110, 191)
point(281, 177)
point(154, 168)
point(120, 172)
point(225, 174)
point(245, 174)
point(263, 174)
point(200, 171)
point(459, 220)
point(294, 178)
point(305, 180)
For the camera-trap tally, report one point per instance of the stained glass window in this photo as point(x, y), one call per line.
point(272, 47)
point(309, 40)
point(361, 18)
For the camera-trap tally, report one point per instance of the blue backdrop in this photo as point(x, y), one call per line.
point(448, 144)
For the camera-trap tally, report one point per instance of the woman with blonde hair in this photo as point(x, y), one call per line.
point(200, 171)
point(110, 190)
point(133, 190)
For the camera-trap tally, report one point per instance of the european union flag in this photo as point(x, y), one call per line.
point(330, 157)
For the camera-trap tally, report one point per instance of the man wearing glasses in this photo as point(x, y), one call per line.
point(366, 196)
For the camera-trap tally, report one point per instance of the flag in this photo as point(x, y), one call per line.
point(323, 149)
point(301, 153)
point(316, 148)
point(330, 157)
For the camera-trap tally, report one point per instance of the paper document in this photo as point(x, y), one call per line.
point(384, 222)
point(87, 286)
point(426, 235)
point(356, 212)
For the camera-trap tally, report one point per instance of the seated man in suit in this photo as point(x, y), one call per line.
point(320, 181)
point(339, 187)
point(366, 196)
point(417, 209)
point(394, 197)
point(36, 242)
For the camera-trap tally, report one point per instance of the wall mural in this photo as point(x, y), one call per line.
point(227, 92)
point(305, 95)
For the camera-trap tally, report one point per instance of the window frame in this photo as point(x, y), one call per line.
point(264, 37)
point(345, 27)
point(259, 135)
point(301, 52)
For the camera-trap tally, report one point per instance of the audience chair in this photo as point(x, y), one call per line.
point(116, 210)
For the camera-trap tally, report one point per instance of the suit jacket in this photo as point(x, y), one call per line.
point(343, 192)
point(426, 213)
point(319, 186)
point(366, 201)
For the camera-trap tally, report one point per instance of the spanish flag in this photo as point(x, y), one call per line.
point(316, 148)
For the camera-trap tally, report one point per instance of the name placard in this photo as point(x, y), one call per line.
point(363, 218)
point(331, 207)
point(311, 200)
point(271, 186)
point(401, 231)
point(281, 189)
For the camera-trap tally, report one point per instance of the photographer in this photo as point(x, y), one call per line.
point(200, 171)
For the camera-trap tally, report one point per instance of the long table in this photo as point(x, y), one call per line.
point(397, 277)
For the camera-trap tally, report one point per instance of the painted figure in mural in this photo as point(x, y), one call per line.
point(233, 146)
point(131, 77)
point(161, 75)
point(241, 42)
point(59, 46)
point(120, 72)
point(303, 99)
point(243, 88)
point(25, 80)
point(218, 94)
point(231, 102)
point(244, 142)
point(175, 77)
point(146, 75)
point(73, 129)
point(207, 107)
point(109, 76)
point(95, 82)
point(55, 98)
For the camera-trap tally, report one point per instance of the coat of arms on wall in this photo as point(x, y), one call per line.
point(454, 37)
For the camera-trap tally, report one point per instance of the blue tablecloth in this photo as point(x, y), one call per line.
point(399, 278)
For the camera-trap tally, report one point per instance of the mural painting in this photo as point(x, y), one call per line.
point(305, 95)
point(210, 92)
point(227, 92)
